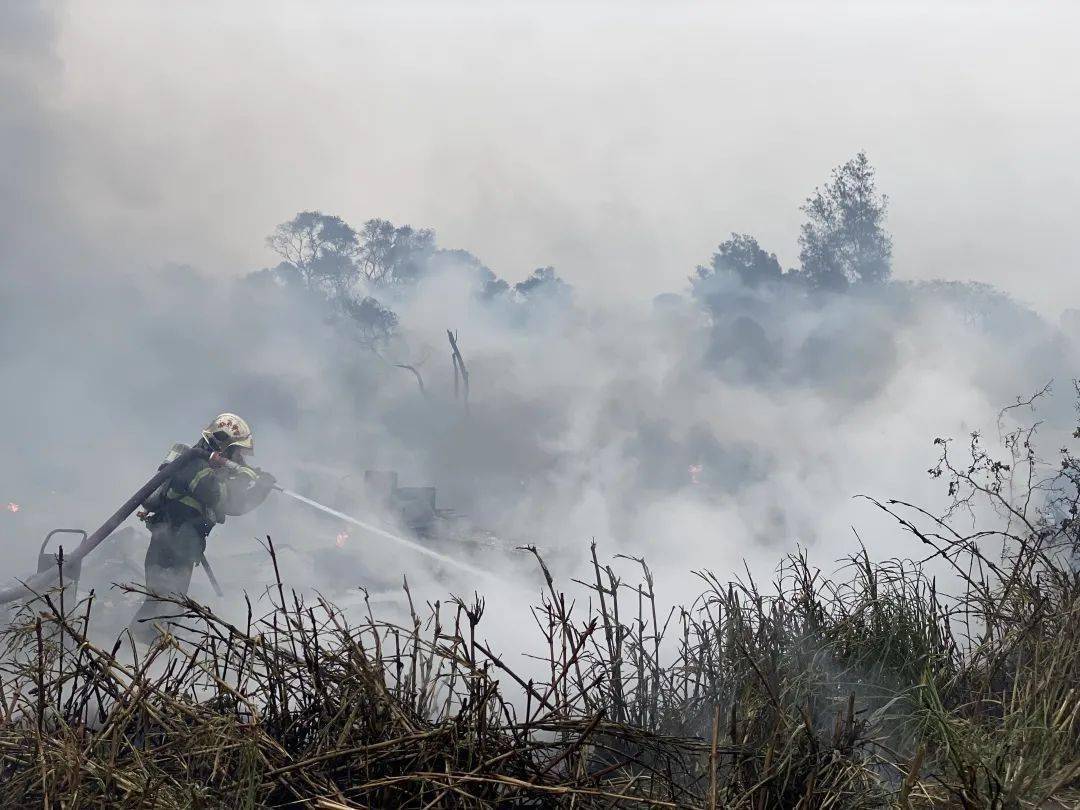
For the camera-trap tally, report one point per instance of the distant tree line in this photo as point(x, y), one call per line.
point(842, 243)
point(325, 252)
point(358, 270)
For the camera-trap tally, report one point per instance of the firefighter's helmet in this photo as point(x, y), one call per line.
point(228, 431)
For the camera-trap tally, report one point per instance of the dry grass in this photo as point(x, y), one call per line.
point(867, 688)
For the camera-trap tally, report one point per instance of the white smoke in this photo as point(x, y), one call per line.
point(585, 420)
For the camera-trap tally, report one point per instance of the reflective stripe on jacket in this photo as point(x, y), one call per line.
point(198, 491)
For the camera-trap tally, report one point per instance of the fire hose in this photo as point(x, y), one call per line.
point(43, 579)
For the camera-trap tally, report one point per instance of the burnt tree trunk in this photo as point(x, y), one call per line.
point(459, 368)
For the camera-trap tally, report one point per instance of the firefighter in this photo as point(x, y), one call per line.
point(183, 510)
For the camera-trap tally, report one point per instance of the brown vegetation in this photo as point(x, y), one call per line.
point(868, 688)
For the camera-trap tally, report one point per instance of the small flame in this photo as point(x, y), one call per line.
point(13, 507)
point(695, 473)
point(339, 541)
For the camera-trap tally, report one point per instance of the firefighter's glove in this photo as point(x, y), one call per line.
point(263, 485)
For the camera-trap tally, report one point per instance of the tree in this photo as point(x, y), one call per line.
point(492, 287)
point(321, 247)
point(487, 284)
point(744, 257)
point(544, 282)
point(844, 240)
point(390, 254)
point(284, 275)
point(374, 324)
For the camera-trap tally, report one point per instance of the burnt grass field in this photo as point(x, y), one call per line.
point(875, 685)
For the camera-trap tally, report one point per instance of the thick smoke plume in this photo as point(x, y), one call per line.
point(719, 423)
point(695, 436)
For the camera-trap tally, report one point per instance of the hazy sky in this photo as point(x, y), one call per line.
point(618, 142)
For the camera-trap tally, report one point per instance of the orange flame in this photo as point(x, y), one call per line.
point(339, 541)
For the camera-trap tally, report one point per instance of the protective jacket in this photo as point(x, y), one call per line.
point(199, 496)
